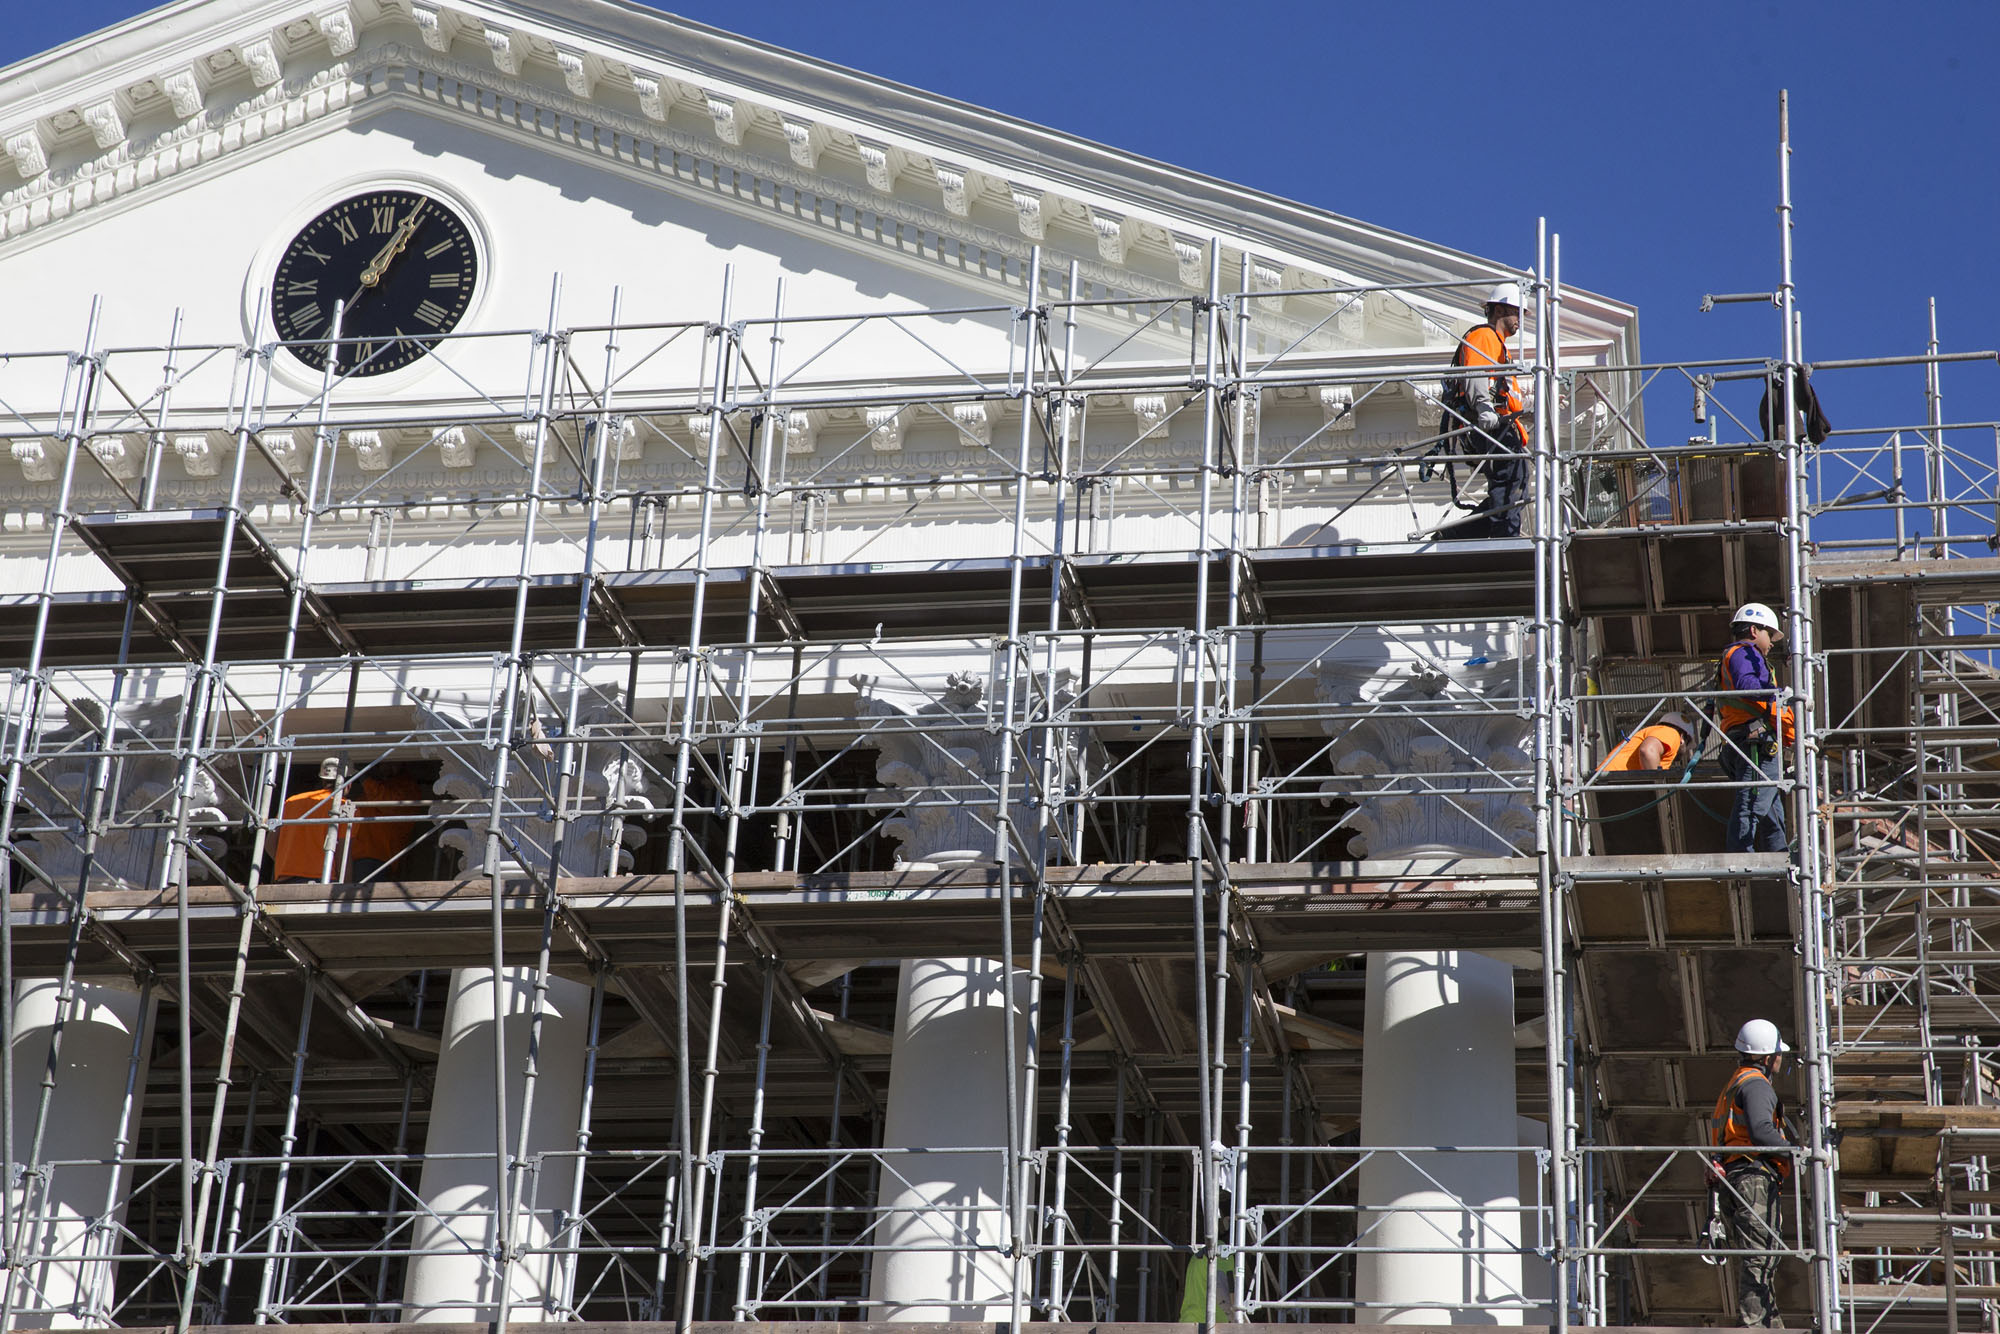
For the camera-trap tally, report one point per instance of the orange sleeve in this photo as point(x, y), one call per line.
point(301, 849)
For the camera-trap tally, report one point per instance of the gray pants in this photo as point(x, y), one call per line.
point(1750, 1207)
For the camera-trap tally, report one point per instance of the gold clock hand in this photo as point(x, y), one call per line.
point(384, 257)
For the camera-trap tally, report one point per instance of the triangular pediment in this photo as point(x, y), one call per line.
point(623, 147)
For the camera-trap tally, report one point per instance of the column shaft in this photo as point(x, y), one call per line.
point(456, 1279)
point(60, 1287)
point(1438, 1070)
point(947, 1091)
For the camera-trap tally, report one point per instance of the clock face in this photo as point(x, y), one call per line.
point(403, 263)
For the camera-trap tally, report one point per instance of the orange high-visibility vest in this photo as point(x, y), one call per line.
point(387, 829)
point(1484, 346)
point(301, 849)
point(1728, 1127)
point(1621, 759)
point(1731, 715)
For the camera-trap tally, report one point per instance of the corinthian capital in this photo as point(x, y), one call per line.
point(1429, 744)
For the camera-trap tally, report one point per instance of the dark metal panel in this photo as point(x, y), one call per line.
point(936, 598)
point(1419, 582)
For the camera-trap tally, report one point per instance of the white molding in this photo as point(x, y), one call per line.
point(106, 122)
point(580, 70)
point(436, 26)
point(25, 146)
point(652, 94)
point(806, 140)
point(955, 183)
point(260, 57)
point(722, 113)
point(336, 24)
point(1028, 211)
point(508, 48)
point(198, 454)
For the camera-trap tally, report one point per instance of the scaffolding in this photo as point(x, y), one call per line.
point(671, 752)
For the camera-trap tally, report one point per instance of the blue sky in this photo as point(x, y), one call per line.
point(1646, 134)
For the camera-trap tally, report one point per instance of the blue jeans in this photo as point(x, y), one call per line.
point(1757, 820)
point(1499, 514)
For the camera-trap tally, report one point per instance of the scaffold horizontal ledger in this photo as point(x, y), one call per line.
point(446, 891)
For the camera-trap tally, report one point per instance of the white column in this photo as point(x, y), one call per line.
point(948, 1070)
point(456, 1281)
point(1538, 1276)
point(1438, 1069)
point(59, 1287)
point(1428, 734)
point(948, 1091)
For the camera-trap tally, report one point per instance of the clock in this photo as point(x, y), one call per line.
point(402, 262)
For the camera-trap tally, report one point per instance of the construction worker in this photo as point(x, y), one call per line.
point(316, 851)
point(390, 803)
point(1655, 746)
point(1749, 1116)
point(1754, 730)
point(1496, 406)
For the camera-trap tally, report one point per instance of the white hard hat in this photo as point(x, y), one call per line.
point(1679, 721)
point(1505, 294)
point(1759, 1037)
point(1756, 613)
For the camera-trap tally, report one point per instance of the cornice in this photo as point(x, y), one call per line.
point(911, 144)
point(552, 120)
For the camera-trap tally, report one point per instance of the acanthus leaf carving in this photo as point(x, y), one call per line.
point(613, 768)
point(805, 140)
point(455, 447)
point(371, 449)
point(25, 147)
point(507, 48)
point(134, 847)
point(284, 446)
point(1336, 405)
point(260, 57)
point(1114, 233)
point(951, 181)
point(939, 749)
point(183, 90)
point(1028, 211)
point(435, 26)
point(1429, 752)
point(197, 453)
point(119, 455)
point(1190, 260)
point(885, 429)
point(336, 24)
point(801, 429)
point(729, 123)
point(580, 70)
point(623, 433)
point(1151, 410)
point(882, 163)
point(652, 98)
point(106, 122)
point(37, 460)
point(974, 421)
point(1430, 403)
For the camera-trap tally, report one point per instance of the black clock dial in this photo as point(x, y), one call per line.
point(402, 262)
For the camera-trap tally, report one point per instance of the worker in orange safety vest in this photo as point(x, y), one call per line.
point(1498, 407)
point(1748, 1117)
point(1754, 730)
point(1657, 745)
